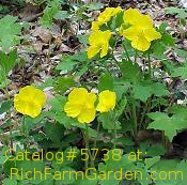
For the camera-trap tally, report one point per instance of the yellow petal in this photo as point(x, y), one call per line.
point(90, 100)
point(131, 33)
point(95, 36)
point(29, 101)
point(95, 25)
point(72, 109)
point(98, 40)
point(107, 101)
point(146, 21)
point(87, 115)
point(34, 94)
point(107, 14)
point(76, 100)
point(26, 107)
point(135, 17)
point(104, 50)
point(92, 51)
point(132, 16)
point(151, 34)
point(77, 95)
point(140, 43)
point(80, 104)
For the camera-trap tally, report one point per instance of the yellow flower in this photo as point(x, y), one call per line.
point(105, 17)
point(141, 32)
point(80, 105)
point(107, 101)
point(99, 43)
point(135, 17)
point(108, 13)
point(95, 25)
point(29, 101)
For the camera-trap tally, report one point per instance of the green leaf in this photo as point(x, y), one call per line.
point(85, 181)
point(83, 39)
point(158, 116)
point(2, 159)
point(68, 63)
point(61, 15)
point(180, 71)
point(111, 181)
point(92, 133)
point(149, 162)
point(8, 61)
point(181, 52)
point(49, 13)
point(142, 92)
point(170, 125)
point(130, 72)
point(9, 182)
point(64, 83)
point(95, 6)
point(159, 89)
point(111, 164)
point(9, 32)
point(106, 83)
point(179, 12)
point(156, 149)
point(54, 132)
point(182, 169)
point(107, 121)
point(30, 165)
point(5, 106)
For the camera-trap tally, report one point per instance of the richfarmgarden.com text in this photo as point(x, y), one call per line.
point(93, 174)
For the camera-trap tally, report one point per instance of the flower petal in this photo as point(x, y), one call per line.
point(131, 33)
point(77, 95)
point(132, 16)
point(92, 51)
point(151, 34)
point(72, 110)
point(107, 101)
point(26, 107)
point(140, 43)
point(29, 101)
point(99, 40)
point(87, 115)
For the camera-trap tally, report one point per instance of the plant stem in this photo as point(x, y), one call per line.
point(86, 139)
point(114, 135)
point(98, 127)
point(135, 57)
point(135, 119)
point(149, 64)
point(127, 54)
point(95, 144)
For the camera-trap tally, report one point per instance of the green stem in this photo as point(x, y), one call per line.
point(135, 57)
point(94, 145)
point(135, 118)
point(98, 127)
point(114, 135)
point(149, 65)
point(127, 54)
point(86, 139)
point(146, 109)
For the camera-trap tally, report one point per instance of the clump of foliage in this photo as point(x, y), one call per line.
point(100, 121)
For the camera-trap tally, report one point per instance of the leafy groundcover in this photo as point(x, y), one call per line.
point(111, 111)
